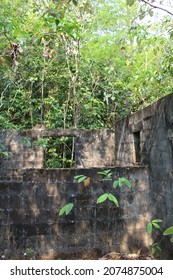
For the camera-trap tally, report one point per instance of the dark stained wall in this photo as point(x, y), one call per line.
point(29, 206)
point(152, 128)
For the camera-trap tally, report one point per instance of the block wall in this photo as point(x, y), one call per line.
point(29, 207)
point(93, 148)
point(152, 128)
point(20, 154)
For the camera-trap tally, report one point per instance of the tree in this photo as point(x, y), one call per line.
point(85, 63)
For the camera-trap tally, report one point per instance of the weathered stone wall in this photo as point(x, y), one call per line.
point(30, 198)
point(152, 129)
point(135, 128)
point(21, 155)
point(93, 148)
point(28, 214)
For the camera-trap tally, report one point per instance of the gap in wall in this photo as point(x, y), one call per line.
point(137, 141)
point(59, 152)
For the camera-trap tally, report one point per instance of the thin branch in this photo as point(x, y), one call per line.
point(2, 94)
point(141, 14)
point(162, 7)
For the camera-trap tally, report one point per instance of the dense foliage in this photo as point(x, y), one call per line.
point(81, 63)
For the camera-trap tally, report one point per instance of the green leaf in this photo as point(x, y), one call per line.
point(151, 13)
point(171, 240)
point(127, 183)
point(115, 184)
point(62, 211)
point(101, 172)
point(106, 173)
point(69, 207)
point(157, 221)
point(149, 227)
point(120, 182)
point(102, 198)
point(155, 247)
point(75, 2)
point(41, 143)
point(66, 209)
point(168, 231)
point(6, 154)
point(111, 197)
point(57, 21)
point(124, 181)
point(141, 16)
point(155, 225)
point(80, 178)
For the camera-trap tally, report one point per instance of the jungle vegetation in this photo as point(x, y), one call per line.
point(82, 63)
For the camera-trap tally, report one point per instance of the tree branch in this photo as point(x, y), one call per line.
point(143, 13)
point(162, 7)
point(2, 94)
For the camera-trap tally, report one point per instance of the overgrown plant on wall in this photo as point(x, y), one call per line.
point(106, 176)
point(3, 150)
point(155, 225)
